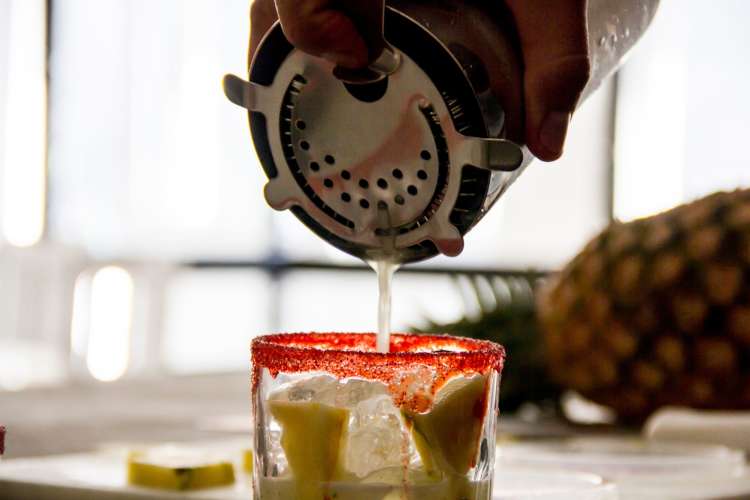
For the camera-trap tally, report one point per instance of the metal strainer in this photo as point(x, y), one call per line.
point(397, 167)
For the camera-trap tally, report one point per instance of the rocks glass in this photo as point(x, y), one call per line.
point(335, 419)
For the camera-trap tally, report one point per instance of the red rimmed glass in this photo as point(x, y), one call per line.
point(336, 419)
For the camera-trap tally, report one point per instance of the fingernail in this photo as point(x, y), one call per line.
point(346, 59)
point(553, 131)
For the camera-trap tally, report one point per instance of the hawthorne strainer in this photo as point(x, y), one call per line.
point(394, 162)
point(400, 160)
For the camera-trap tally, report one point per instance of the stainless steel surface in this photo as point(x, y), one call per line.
point(386, 64)
point(350, 159)
point(379, 168)
point(614, 28)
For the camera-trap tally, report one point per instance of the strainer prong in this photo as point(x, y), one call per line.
point(492, 153)
point(242, 93)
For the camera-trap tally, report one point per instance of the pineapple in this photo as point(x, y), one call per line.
point(657, 311)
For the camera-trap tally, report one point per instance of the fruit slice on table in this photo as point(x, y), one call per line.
point(448, 435)
point(313, 437)
point(247, 461)
point(175, 468)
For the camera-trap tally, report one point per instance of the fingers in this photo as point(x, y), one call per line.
point(555, 51)
point(318, 28)
point(262, 17)
point(314, 26)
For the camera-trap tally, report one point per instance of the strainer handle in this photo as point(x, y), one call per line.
point(369, 17)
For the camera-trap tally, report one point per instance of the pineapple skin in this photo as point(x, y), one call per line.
point(656, 312)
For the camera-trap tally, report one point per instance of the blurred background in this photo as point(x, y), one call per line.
point(135, 244)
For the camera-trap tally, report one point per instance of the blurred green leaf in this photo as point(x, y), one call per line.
point(507, 315)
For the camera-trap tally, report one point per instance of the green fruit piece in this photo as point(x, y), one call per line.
point(447, 436)
point(313, 437)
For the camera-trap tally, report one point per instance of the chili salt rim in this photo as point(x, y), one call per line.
point(349, 355)
point(295, 352)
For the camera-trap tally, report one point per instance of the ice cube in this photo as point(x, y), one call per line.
point(318, 388)
point(275, 453)
point(353, 391)
point(377, 437)
point(325, 389)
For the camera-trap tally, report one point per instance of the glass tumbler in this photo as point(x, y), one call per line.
point(335, 419)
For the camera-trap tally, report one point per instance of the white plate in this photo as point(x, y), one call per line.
point(94, 476)
point(642, 470)
point(622, 457)
point(102, 476)
point(521, 483)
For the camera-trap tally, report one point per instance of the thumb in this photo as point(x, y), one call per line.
point(318, 28)
point(555, 51)
point(262, 17)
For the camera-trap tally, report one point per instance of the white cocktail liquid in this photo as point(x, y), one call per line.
point(385, 263)
point(285, 489)
point(384, 270)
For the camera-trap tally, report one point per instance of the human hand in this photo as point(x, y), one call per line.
point(554, 44)
point(314, 26)
point(553, 40)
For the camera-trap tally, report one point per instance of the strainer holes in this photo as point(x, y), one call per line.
point(330, 159)
point(364, 203)
point(364, 184)
point(304, 145)
point(397, 173)
point(328, 183)
point(425, 155)
point(399, 199)
point(314, 166)
point(412, 190)
point(346, 175)
point(422, 175)
point(382, 205)
point(382, 183)
point(346, 197)
point(301, 124)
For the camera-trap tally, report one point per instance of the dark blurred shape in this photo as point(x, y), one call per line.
point(507, 316)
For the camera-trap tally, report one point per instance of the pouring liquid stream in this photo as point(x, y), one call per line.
point(384, 270)
point(385, 264)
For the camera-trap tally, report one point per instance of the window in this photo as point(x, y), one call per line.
point(149, 162)
point(146, 159)
point(682, 108)
point(151, 171)
point(23, 128)
point(29, 341)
